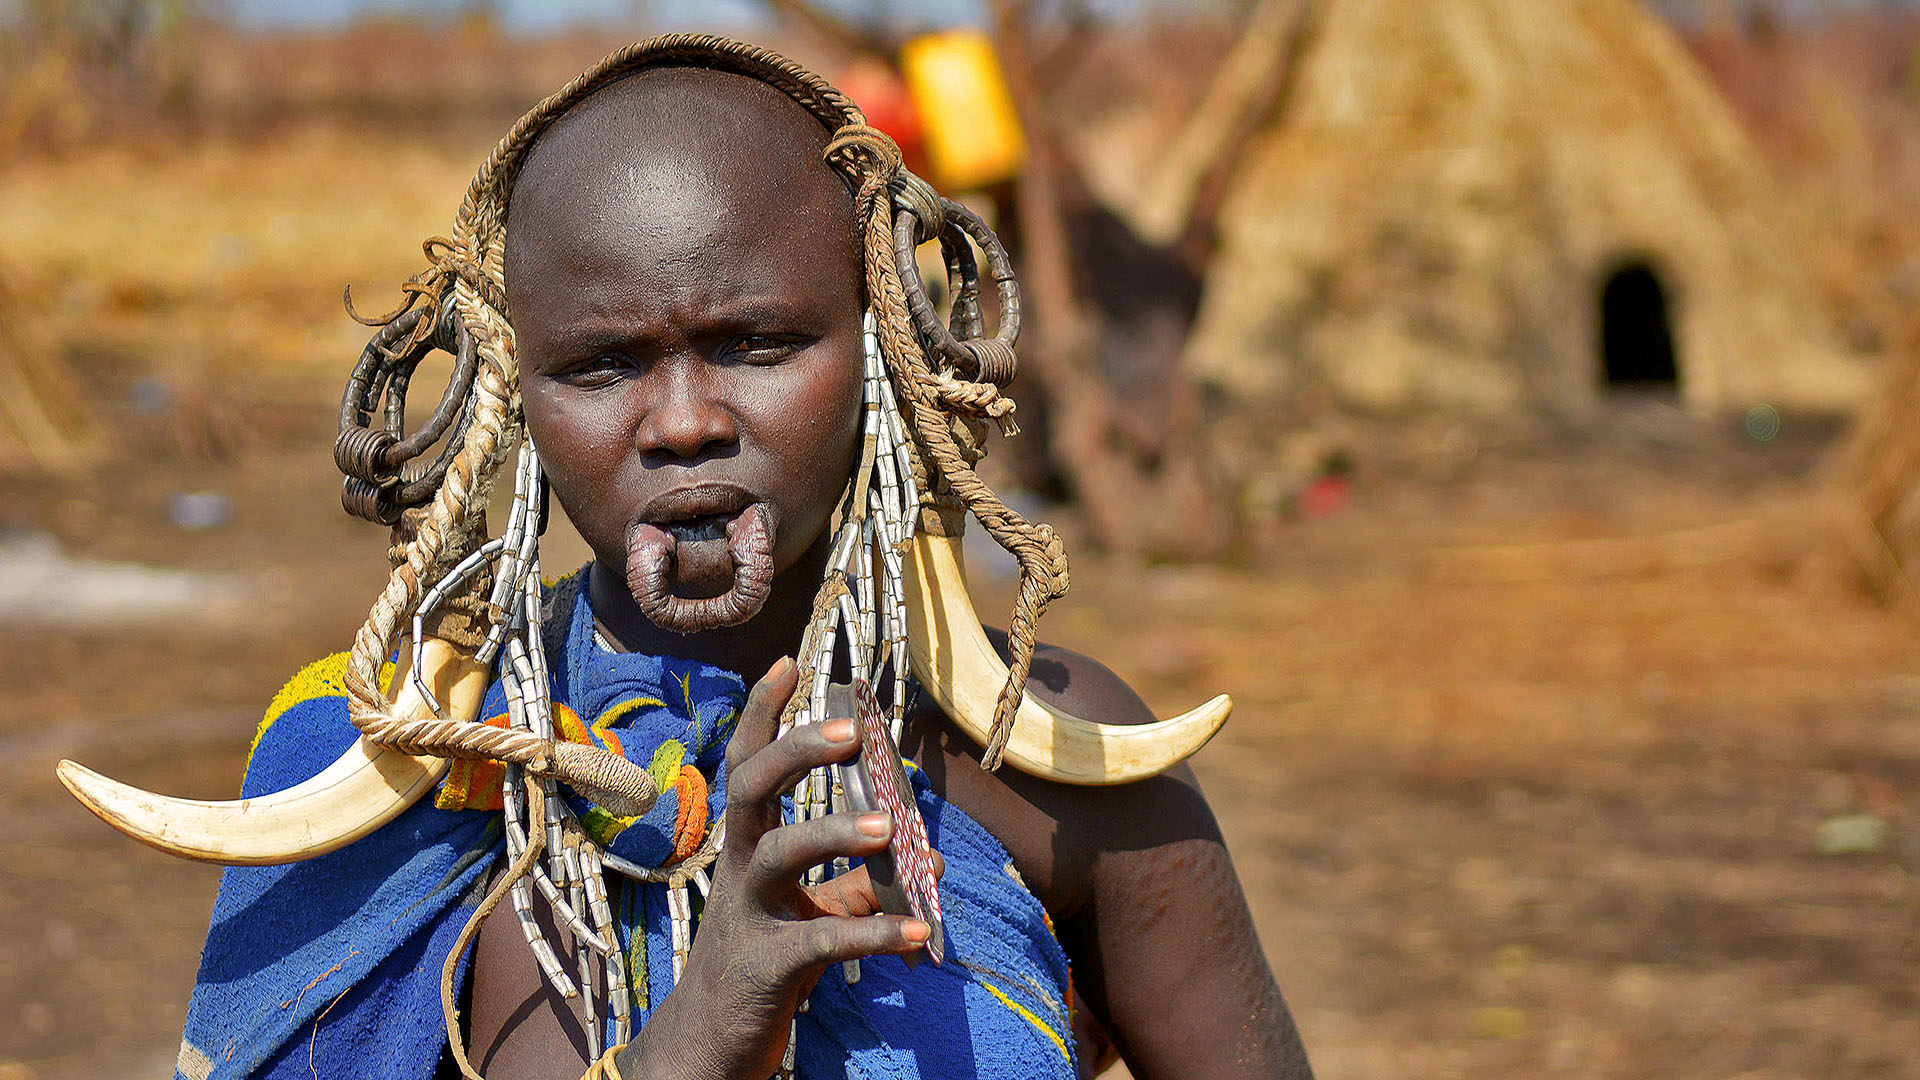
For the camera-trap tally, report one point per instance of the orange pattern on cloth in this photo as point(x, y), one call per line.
point(476, 785)
point(690, 824)
point(473, 785)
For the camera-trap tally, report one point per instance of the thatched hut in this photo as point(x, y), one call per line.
point(1495, 206)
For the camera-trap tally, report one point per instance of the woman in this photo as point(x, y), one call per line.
point(663, 271)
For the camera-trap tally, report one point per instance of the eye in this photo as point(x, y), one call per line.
point(602, 370)
point(763, 348)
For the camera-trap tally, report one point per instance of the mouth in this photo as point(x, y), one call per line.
point(697, 513)
point(697, 529)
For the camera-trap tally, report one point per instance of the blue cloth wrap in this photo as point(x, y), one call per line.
point(331, 967)
point(336, 959)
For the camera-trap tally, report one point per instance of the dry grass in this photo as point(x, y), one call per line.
point(234, 252)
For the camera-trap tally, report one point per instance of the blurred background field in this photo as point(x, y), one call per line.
point(1507, 401)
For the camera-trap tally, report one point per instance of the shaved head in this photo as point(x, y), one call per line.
point(692, 146)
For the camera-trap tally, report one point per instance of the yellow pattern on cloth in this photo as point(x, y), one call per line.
point(325, 677)
point(686, 695)
point(603, 724)
point(637, 971)
point(1027, 1015)
point(476, 785)
point(567, 725)
point(668, 761)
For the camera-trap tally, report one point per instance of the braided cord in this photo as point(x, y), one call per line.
point(932, 407)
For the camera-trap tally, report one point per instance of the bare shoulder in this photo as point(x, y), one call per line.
point(1143, 894)
point(1077, 683)
point(1056, 833)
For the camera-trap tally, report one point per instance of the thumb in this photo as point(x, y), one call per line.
point(852, 892)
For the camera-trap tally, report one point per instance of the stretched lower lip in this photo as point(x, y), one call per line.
point(656, 555)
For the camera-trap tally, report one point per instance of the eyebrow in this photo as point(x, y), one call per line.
point(728, 317)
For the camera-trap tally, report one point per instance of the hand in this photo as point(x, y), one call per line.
point(764, 938)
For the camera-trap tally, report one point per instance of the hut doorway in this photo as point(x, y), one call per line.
point(1636, 332)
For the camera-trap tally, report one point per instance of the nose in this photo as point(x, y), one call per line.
point(685, 416)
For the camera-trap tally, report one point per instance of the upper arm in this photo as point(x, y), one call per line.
point(1165, 954)
point(1163, 946)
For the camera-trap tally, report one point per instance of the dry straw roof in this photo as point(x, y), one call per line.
point(1429, 217)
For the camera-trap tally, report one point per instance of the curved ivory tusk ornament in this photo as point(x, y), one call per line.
point(366, 788)
point(958, 666)
point(369, 785)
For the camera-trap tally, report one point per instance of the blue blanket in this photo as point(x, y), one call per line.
point(331, 968)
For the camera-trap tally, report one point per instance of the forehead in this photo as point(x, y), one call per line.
point(677, 172)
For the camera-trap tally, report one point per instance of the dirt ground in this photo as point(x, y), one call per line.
point(1533, 816)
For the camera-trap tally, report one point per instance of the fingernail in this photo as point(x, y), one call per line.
point(916, 931)
point(838, 730)
point(874, 824)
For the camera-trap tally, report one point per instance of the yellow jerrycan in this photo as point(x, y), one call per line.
point(972, 135)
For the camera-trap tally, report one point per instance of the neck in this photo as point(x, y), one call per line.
point(748, 650)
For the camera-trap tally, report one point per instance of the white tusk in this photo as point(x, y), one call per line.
point(956, 664)
point(366, 788)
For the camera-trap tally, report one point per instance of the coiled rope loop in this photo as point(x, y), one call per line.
point(383, 477)
point(932, 399)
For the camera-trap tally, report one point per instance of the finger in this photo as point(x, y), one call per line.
point(783, 854)
point(833, 939)
point(754, 787)
point(852, 893)
point(760, 717)
point(849, 894)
